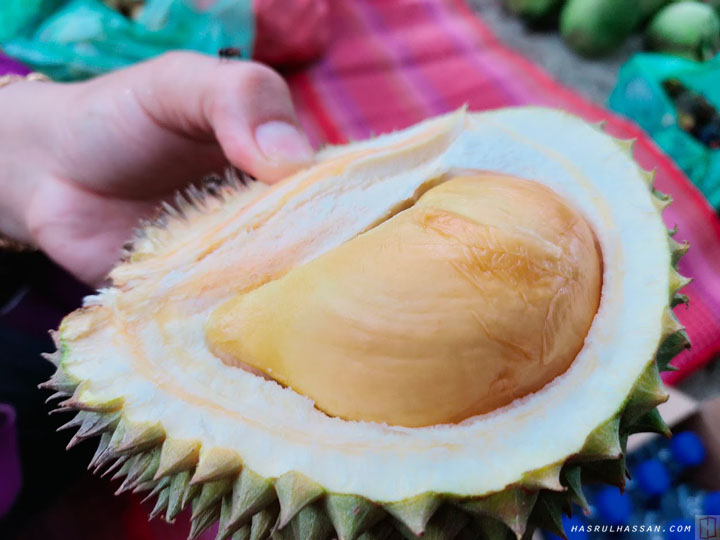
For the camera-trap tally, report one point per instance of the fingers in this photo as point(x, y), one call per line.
point(245, 106)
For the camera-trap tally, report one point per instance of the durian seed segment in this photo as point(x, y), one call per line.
point(480, 293)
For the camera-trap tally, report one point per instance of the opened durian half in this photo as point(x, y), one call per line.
point(437, 333)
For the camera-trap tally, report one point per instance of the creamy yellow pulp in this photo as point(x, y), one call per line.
point(480, 293)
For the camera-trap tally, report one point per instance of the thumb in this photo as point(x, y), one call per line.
point(245, 106)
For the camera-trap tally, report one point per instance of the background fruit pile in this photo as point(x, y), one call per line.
point(593, 28)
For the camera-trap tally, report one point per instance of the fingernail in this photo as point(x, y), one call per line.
point(282, 142)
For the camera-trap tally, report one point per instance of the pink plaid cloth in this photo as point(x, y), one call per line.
point(392, 64)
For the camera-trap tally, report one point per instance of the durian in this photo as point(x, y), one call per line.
point(439, 333)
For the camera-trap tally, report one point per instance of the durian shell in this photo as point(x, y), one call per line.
point(248, 506)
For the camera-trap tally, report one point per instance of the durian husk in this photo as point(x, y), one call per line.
point(293, 507)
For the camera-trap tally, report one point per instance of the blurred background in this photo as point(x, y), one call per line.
point(648, 69)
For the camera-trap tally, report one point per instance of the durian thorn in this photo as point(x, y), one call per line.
point(57, 395)
point(101, 449)
point(415, 513)
point(97, 424)
point(61, 410)
point(311, 522)
point(351, 515)
point(77, 402)
point(119, 461)
point(91, 425)
point(649, 177)
point(650, 422)
point(626, 144)
point(216, 463)
point(647, 393)
point(661, 200)
point(447, 522)
point(75, 421)
point(511, 506)
point(54, 357)
point(106, 461)
point(139, 437)
point(670, 324)
point(74, 441)
point(493, 529)
point(181, 203)
point(545, 478)
point(572, 478)
point(385, 530)
point(191, 493)
point(142, 470)
point(194, 197)
point(294, 492)
point(210, 494)
point(677, 281)
point(670, 347)
point(177, 493)
point(677, 250)
point(124, 468)
point(107, 458)
point(225, 511)
point(60, 382)
point(603, 442)
point(177, 455)
point(236, 178)
point(202, 522)
point(144, 486)
point(548, 513)
point(678, 299)
point(117, 434)
point(159, 486)
point(251, 493)
point(610, 471)
point(263, 522)
point(161, 503)
point(172, 211)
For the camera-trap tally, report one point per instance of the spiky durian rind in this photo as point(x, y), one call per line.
point(292, 506)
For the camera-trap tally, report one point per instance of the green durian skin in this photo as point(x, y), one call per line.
point(688, 29)
point(535, 12)
point(595, 28)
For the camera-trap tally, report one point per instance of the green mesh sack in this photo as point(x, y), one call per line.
point(76, 39)
point(677, 102)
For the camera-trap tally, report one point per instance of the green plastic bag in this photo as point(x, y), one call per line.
point(77, 39)
point(639, 95)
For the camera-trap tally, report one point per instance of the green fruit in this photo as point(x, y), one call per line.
point(715, 4)
point(687, 29)
point(597, 27)
point(648, 8)
point(534, 11)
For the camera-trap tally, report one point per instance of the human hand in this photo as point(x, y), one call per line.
point(82, 163)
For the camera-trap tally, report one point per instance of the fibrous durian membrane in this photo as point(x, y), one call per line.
point(480, 293)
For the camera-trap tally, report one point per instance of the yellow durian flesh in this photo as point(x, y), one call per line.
point(481, 292)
